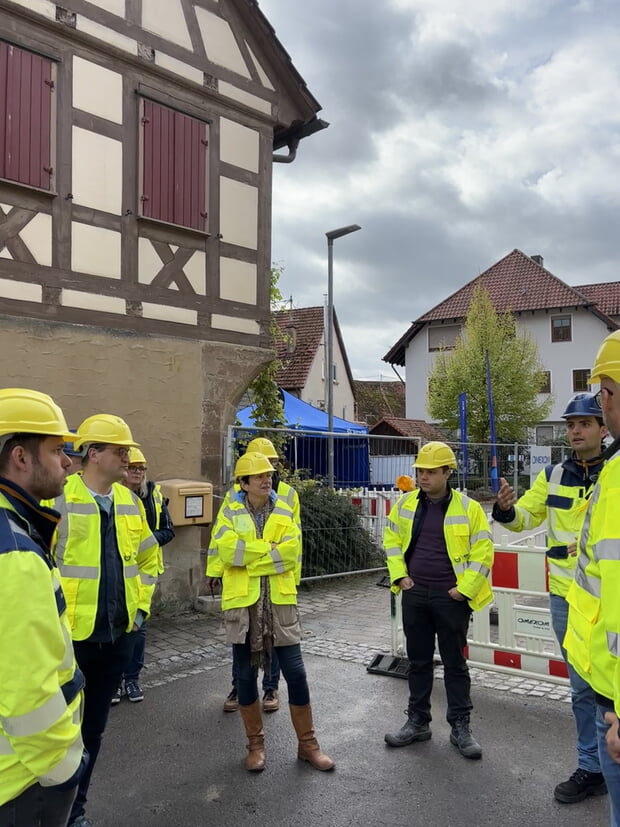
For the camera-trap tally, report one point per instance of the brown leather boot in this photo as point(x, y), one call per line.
point(308, 749)
point(253, 723)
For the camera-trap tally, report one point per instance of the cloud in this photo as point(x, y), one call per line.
point(455, 137)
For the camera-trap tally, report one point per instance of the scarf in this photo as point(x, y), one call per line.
point(261, 614)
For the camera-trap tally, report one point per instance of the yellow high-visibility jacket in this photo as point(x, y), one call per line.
point(560, 494)
point(77, 551)
point(285, 492)
point(468, 541)
point(593, 633)
point(244, 559)
point(40, 684)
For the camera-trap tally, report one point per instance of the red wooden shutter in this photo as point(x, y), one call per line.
point(174, 171)
point(26, 110)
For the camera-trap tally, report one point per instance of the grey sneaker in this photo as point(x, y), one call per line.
point(414, 729)
point(463, 740)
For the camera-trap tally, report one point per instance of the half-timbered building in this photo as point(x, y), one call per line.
point(137, 139)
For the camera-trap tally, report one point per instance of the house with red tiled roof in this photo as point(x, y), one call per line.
point(418, 431)
point(567, 323)
point(301, 351)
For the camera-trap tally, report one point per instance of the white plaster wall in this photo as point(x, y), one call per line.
point(95, 251)
point(89, 301)
point(196, 272)
point(149, 263)
point(20, 290)
point(169, 314)
point(88, 26)
point(178, 67)
point(239, 213)
point(561, 358)
point(220, 43)
point(238, 280)
point(239, 145)
point(113, 6)
point(37, 236)
point(247, 98)
point(97, 90)
point(169, 22)
point(235, 323)
point(315, 388)
point(97, 171)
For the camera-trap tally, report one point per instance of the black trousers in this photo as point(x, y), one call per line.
point(428, 613)
point(103, 665)
point(38, 807)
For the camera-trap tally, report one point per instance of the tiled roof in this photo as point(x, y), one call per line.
point(374, 400)
point(516, 283)
point(308, 323)
point(605, 295)
point(409, 427)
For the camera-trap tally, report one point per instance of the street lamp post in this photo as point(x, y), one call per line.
point(329, 376)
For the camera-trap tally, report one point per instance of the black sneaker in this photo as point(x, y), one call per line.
point(116, 697)
point(463, 740)
point(580, 785)
point(414, 729)
point(134, 692)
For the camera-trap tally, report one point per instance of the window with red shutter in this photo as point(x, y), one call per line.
point(26, 89)
point(174, 167)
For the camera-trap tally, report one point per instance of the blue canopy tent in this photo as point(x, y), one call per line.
point(309, 450)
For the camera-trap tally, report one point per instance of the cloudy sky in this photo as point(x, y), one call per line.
point(454, 137)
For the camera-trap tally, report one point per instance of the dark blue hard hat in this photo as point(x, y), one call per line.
point(69, 449)
point(583, 404)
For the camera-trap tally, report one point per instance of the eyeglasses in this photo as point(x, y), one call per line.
point(140, 468)
point(597, 395)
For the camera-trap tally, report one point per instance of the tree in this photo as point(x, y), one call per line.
point(263, 391)
point(516, 376)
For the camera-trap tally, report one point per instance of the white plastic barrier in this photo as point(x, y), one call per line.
point(525, 640)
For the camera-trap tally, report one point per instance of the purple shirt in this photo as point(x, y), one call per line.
point(429, 563)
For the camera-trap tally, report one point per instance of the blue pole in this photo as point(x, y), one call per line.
point(463, 425)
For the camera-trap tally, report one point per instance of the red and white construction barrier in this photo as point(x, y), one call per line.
point(524, 641)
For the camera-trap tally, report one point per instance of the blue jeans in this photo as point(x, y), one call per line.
point(134, 667)
point(271, 679)
point(609, 768)
point(582, 696)
point(291, 663)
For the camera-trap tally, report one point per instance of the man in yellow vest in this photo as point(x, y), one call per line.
point(593, 632)
point(560, 494)
point(439, 555)
point(108, 561)
point(286, 492)
point(41, 751)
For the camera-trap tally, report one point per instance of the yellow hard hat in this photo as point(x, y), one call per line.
point(24, 411)
point(136, 456)
point(106, 429)
point(251, 464)
point(435, 455)
point(263, 446)
point(405, 483)
point(607, 362)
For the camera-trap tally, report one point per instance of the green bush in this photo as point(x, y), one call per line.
point(334, 539)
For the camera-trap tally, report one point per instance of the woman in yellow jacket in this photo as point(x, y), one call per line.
point(257, 542)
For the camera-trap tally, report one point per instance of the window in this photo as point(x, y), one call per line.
point(544, 434)
point(561, 329)
point(174, 165)
point(26, 88)
point(443, 336)
point(546, 384)
point(580, 380)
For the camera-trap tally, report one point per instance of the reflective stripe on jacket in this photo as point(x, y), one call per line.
point(593, 632)
point(285, 492)
point(77, 552)
point(559, 494)
point(468, 541)
point(244, 558)
point(41, 686)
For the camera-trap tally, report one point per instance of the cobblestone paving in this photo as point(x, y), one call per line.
point(345, 619)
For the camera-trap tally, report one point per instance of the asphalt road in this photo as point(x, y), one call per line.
point(176, 760)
